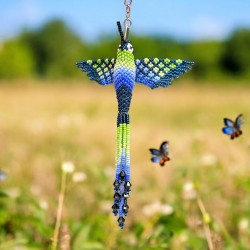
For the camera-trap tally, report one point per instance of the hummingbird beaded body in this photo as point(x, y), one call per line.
point(124, 71)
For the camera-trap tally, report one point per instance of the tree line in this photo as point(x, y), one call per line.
point(52, 50)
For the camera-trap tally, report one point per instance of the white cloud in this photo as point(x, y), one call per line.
point(207, 27)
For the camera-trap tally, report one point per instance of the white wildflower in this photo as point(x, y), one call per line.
point(189, 192)
point(243, 224)
point(44, 204)
point(106, 206)
point(209, 159)
point(79, 177)
point(68, 167)
point(152, 208)
point(132, 240)
point(166, 209)
point(13, 192)
point(157, 208)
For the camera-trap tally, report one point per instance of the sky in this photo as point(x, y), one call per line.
point(92, 19)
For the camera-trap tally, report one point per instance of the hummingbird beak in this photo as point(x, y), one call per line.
point(121, 33)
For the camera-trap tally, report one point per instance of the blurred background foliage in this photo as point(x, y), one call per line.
point(51, 51)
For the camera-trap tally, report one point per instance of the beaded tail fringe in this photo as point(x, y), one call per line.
point(122, 183)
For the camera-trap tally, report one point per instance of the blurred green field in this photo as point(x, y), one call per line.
point(43, 125)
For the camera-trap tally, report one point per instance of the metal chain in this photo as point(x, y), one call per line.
point(127, 21)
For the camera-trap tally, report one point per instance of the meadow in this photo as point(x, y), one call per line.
point(44, 125)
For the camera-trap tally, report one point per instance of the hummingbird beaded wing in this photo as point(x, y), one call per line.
point(124, 71)
point(159, 72)
point(101, 70)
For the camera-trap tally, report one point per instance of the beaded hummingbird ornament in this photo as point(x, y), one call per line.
point(123, 72)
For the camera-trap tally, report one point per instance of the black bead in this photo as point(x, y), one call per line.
point(121, 225)
point(125, 202)
point(115, 207)
point(116, 185)
point(127, 186)
point(117, 197)
point(121, 220)
point(125, 211)
point(125, 205)
point(122, 175)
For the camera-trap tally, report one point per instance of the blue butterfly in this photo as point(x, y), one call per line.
point(160, 156)
point(233, 128)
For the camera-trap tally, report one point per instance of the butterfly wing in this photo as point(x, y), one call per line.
point(164, 148)
point(228, 122)
point(155, 151)
point(156, 72)
point(230, 128)
point(101, 70)
point(238, 122)
point(156, 159)
point(157, 155)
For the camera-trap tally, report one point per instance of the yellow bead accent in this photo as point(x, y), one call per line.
point(166, 60)
point(146, 60)
point(179, 61)
point(161, 74)
point(155, 69)
point(166, 69)
point(161, 65)
point(89, 62)
point(156, 60)
point(172, 66)
point(151, 65)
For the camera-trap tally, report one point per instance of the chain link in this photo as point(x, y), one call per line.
point(127, 21)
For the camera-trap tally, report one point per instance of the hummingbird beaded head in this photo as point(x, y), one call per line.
point(125, 43)
point(124, 71)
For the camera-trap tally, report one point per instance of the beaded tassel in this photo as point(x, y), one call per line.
point(122, 183)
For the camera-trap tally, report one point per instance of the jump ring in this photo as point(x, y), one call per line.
point(130, 2)
point(127, 23)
